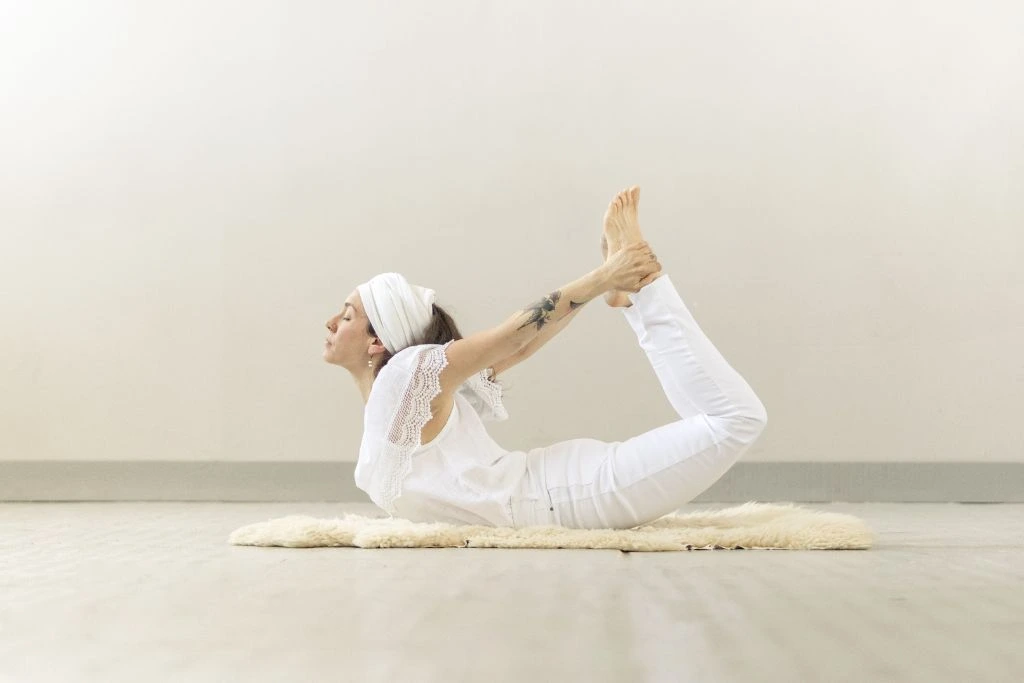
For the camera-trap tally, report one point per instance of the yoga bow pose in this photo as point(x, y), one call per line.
point(426, 455)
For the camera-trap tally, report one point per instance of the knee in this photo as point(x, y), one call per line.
point(758, 414)
point(747, 425)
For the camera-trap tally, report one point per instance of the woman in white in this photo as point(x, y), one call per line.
point(426, 455)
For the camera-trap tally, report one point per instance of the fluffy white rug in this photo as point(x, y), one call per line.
point(755, 526)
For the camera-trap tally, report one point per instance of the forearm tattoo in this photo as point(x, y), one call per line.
point(541, 312)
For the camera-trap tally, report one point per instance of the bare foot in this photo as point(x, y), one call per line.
point(621, 223)
point(622, 228)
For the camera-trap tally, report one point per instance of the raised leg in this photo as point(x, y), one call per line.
point(593, 484)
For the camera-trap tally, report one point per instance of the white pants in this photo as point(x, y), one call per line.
point(591, 484)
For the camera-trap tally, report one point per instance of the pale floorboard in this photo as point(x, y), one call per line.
point(153, 592)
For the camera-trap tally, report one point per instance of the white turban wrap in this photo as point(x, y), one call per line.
point(399, 312)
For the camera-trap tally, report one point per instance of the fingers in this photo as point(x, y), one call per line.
point(648, 279)
point(638, 265)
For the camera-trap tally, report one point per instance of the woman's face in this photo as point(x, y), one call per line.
point(346, 332)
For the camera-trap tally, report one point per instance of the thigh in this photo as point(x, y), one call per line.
point(655, 473)
point(581, 466)
point(564, 481)
point(574, 462)
point(596, 484)
point(559, 472)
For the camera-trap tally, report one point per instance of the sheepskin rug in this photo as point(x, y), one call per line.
point(750, 526)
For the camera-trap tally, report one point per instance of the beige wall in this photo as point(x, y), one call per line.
point(189, 190)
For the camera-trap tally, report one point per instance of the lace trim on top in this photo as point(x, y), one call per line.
point(382, 476)
point(485, 396)
point(412, 414)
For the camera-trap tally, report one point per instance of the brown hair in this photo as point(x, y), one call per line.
point(442, 329)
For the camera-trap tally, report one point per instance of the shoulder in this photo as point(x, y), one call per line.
point(416, 357)
point(407, 372)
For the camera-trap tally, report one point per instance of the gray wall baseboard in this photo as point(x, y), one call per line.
point(798, 482)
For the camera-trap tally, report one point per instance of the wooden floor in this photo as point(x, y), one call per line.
point(153, 592)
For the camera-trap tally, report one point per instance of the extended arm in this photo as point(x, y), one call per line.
point(524, 332)
point(540, 340)
point(489, 348)
point(532, 327)
point(547, 334)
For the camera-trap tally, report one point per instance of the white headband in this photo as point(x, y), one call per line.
point(399, 312)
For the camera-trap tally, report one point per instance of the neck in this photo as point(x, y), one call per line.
point(364, 380)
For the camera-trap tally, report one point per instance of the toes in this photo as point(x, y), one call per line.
point(623, 198)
